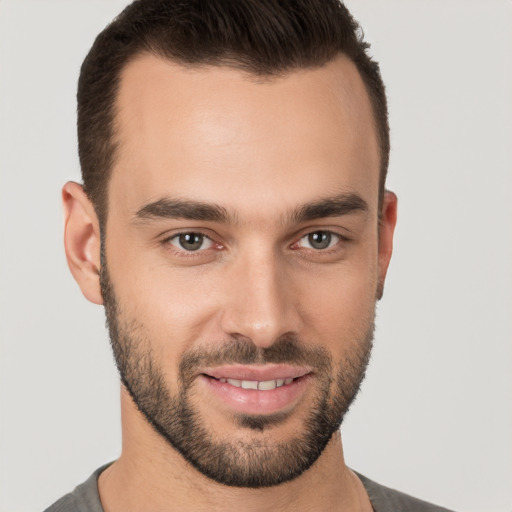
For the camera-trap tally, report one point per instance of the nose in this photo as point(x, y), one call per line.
point(262, 304)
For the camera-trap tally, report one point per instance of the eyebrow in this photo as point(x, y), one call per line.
point(169, 208)
point(335, 206)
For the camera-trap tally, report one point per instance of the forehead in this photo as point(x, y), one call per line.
point(215, 134)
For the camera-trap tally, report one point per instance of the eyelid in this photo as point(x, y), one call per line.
point(166, 242)
point(305, 232)
point(335, 236)
point(177, 245)
point(173, 233)
point(335, 231)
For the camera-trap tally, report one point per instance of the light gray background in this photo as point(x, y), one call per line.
point(434, 418)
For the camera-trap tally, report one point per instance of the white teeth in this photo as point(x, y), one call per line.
point(250, 384)
point(266, 385)
point(262, 385)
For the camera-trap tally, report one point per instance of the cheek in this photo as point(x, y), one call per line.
point(174, 307)
point(339, 307)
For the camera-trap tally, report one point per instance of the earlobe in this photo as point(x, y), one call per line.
point(82, 240)
point(386, 231)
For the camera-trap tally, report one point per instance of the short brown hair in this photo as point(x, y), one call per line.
point(263, 37)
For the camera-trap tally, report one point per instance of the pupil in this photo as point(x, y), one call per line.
point(319, 239)
point(191, 241)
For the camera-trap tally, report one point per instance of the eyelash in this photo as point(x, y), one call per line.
point(326, 232)
point(183, 253)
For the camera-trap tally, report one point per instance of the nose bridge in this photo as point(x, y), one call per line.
point(261, 304)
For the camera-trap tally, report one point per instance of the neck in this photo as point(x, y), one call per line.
point(151, 475)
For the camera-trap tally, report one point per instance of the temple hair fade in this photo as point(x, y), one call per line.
point(262, 37)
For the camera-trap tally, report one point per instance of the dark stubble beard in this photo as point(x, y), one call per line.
point(235, 462)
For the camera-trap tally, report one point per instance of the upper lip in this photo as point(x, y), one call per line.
point(256, 372)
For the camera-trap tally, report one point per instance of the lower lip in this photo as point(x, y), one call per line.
point(255, 402)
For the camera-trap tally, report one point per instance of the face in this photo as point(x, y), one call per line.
point(242, 260)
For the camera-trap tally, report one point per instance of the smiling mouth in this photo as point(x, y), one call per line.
point(259, 385)
point(257, 390)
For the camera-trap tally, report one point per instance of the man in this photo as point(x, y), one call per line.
point(234, 222)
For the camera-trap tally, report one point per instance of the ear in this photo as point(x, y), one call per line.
point(386, 231)
point(82, 240)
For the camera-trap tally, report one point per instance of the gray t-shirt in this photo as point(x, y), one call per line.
point(85, 498)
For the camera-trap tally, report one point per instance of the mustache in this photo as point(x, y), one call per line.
point(287, 349)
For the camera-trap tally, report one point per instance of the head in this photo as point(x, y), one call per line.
point(234, 223)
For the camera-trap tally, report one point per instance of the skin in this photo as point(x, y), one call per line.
point(261, 150)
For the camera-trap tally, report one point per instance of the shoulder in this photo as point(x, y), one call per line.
point(385, 499)
point(85, 497)
point(65, 504)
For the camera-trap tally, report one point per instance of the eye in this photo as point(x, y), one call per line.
point(319, 240)
point(191, 241)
